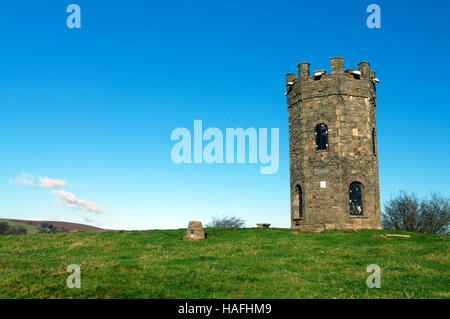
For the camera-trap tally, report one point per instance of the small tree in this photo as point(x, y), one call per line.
point(409, 213)
point(226, 222)
point(19, 230)
point(401, 212)
point(45, 225)
point(435, 216)
point(4, 229)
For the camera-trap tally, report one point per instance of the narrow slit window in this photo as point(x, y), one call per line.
point(299, 200)
point(374, 139)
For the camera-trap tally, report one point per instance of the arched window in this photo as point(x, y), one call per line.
point(374, 147)
point(355, 198)
point(298, 201)
point(321, 137)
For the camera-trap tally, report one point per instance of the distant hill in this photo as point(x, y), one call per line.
point(34, 226)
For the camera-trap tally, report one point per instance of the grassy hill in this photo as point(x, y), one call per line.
point(35, 226)
point(243, 263)
point(30, 229)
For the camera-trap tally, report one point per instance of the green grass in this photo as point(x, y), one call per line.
point(244, 263)
point(30, 229)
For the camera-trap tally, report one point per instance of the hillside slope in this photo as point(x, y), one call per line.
point(243, 263)
point(29, 228)
point(66, 225)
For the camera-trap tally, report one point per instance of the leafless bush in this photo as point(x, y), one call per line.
point(226, 222)
point(408, 212)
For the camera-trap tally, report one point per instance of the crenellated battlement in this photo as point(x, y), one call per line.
point(358, 82)
point(336, 68)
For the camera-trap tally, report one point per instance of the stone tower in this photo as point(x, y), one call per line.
point(333, 147)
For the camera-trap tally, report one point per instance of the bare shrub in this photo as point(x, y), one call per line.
point(408, 212)
point(226, 222)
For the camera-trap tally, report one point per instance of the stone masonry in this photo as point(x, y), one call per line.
point(345, 101)
point(195, 231)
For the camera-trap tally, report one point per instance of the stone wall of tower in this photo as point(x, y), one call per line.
point(346, 102)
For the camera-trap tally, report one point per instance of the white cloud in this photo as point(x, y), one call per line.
point(44, 182)
point(69, 200)
point(24, 179)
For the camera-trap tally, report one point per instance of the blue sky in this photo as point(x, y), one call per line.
point(95, 107)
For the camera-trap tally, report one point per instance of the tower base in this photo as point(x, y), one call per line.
point(319, 227)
